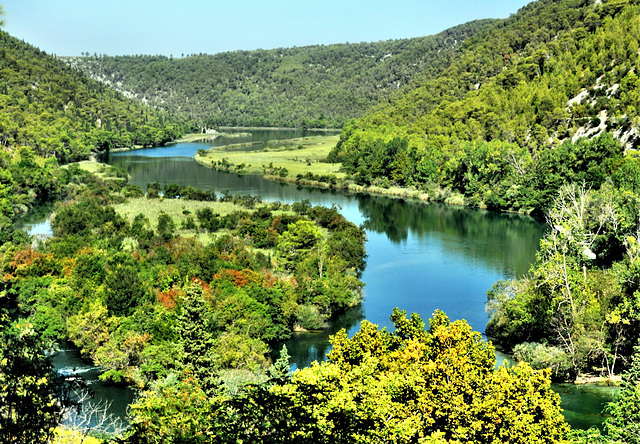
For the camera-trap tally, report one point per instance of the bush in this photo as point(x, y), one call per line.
point(133, 191)
point(309, 318)
point(541, 356)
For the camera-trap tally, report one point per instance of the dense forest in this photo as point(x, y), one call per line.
point(311, 86)
point(58, 112)
point(537, 114)
point(501, 126)
point(147, 301)
point(185, 308)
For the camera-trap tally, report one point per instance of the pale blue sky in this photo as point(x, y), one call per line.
point(118, 27)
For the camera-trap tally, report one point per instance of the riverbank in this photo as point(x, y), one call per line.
point(187, 138)
point(302, 161)
point(282, 158)
point(129, 148)
point(196, 137)
point(273, 128)
point(585, 379)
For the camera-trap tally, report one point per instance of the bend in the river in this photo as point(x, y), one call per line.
point(421, 257)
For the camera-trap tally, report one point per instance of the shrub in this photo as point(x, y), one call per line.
point(541, 356)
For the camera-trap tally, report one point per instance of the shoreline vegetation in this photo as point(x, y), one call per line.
point(278, 128)
point(301, 161)
point(179, 210)
point(187, 138)
point(279, 267)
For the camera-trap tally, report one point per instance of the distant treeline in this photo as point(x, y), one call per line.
point(313, 86)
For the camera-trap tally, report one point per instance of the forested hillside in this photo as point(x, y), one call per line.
point(51, 114)
point(313, 86)
point(60, 113)
point(183, 294)
point(501, 124)
point(538, 113)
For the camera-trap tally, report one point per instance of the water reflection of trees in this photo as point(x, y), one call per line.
point(307, 347)
point(507, 241)
point(186, 171)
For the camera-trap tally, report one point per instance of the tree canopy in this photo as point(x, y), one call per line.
point(413, 385)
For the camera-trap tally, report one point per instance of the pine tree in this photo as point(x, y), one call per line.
point(197, 337)
point(279, 372)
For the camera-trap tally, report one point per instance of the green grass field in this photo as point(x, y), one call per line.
point(90, 165)
point(178, 209)
point(296, 156)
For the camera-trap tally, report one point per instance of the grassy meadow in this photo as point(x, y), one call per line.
point(295, 156)
point(178, 209)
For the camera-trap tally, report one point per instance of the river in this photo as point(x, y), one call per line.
point(421, 257)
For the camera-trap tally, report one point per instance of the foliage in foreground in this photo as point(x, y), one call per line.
point(577, 311)
point(32, 395)
point(412, 386)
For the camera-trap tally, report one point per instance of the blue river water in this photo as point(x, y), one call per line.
point(421, 257)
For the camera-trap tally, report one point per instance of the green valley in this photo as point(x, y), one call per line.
point(313, 86)
point(177, 287)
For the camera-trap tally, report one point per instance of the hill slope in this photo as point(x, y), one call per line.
point(555, 71)
point(315, 86)
point(59, 112)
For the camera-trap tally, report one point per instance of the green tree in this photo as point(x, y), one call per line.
point(195, 330)
point(31, 395)
point(166, 227)
point(124, 290)
point(623, 426)
point(179, 412)
point(297, 242)
point(414, 385)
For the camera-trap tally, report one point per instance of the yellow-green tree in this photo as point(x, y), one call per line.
point(417, 385)
point(411, 386)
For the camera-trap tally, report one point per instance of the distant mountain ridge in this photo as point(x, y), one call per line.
point(311, 86)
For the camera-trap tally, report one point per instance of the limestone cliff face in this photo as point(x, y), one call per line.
point(623, 127)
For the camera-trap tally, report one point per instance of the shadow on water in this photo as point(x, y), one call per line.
point(583, 404)
point(509, 239)
point(307, 347)
point(68, 362)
